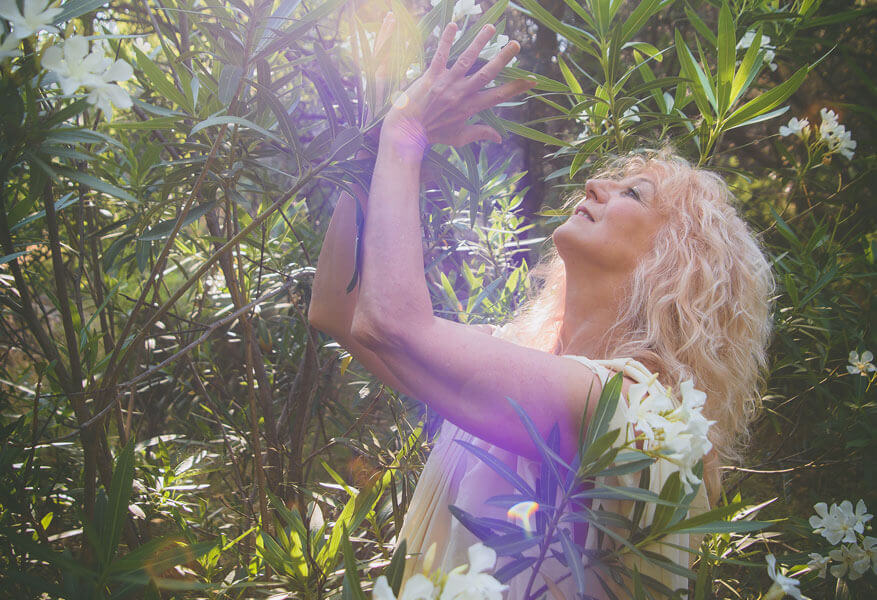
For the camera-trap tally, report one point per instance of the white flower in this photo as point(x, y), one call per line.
point(631, 114)
point(108, 95)
point(851, 559)
point(858, 518)
point(861, 366)
point(839, 524)
point(437, 33)
point(462, 8)
point(9, 47)
point(829, 121)
point(795, 127)
point(493, 48)
point(417, 587)
point(645, 408)
point(74, 65)
point(843, 143)
point(36, 15)
point(837, 137)
point(786, 585)
point(818, 563)
point(826, 523)
point(473, 584)
point(678, 433)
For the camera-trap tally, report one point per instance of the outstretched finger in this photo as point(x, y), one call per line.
point(382, 43)
point(439, 62)
point(493, 96)
point(384, 33)
point(470, 54)
point(488, 72)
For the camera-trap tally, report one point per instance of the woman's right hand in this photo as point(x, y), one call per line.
point(435, 108)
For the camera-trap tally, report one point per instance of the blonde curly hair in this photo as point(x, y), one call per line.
point(697, 306)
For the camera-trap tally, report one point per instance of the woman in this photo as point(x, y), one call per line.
point(653, 265)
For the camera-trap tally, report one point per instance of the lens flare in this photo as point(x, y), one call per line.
point(400, 100)
point(523, 511)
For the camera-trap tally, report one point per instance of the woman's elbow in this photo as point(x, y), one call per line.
point(373, 330)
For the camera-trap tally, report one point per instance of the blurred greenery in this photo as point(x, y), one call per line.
point(171, 425)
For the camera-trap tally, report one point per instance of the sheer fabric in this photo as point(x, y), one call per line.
point(454, 476)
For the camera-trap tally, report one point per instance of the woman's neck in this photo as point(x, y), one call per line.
point(590, 310)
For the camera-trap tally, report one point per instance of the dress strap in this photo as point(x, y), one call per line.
point(599, 370)
point(634, 369)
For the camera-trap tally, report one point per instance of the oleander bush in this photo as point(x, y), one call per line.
point(172, 427)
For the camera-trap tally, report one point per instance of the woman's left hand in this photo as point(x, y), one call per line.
point(435, 108)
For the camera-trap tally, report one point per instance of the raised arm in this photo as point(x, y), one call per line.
point(464, 374)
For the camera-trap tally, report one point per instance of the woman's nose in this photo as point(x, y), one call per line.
point(598, 189)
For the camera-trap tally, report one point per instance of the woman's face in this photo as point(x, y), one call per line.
point(613, 227)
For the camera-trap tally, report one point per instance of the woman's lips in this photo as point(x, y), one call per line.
point(581, 211)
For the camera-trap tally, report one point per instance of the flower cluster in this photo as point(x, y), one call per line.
point(831, 133)
point(861, 365)
point(841, 524)
point(70, 63)
point(676, 431)
point(769, 50)
point(836, 135)
point(74, 67)
point(462, 583)
point(34, 16)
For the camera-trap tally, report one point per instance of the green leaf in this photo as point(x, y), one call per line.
point(337, 88)
point(574, 561)
point(151, 124)
point(542, 83)
point(346, 143)
point(501, 468)
point(727, 54)
point(97, 184)
point(77, 8)
point(110, 527)
point(13, 256)
point(475, 179)
point(164, 229)
point(533, 134)
point(671, 493)
point(396, 568)
point(596, 450)
point(62, 203)
point(542, 14)
point(352, 585)
point(228, 119)
point(640, 16)
point(701, 86)
point(750, 66)
point(568, 76)
point(701, 27)
point(158, 80)
point(605, 410)
point(766, 101)
point(724, 527)
point(229, 81)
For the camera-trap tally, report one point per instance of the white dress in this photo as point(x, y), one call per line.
point(454, 476)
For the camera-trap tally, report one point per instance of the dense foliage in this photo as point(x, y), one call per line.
point(171, 424)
